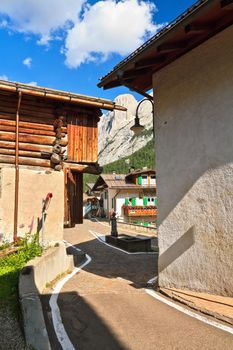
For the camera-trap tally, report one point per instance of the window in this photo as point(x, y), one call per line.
point(144, 180)
point(105, 195)
point(152, 180)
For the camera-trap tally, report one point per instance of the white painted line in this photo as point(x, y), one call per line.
point(189, 312)
point(59, 328)
point(99, 222)
point(102, 240)
point(152, 280)
point(71, 245)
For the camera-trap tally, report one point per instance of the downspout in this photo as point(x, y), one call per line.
point(17, 167)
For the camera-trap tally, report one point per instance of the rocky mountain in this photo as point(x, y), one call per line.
point(116, 140)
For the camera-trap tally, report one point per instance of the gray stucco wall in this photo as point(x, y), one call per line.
point(194, 160)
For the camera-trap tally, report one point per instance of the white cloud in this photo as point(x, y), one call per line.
point(109, 27)
point(32, 83)
point(3, 77)
point(91, 32)
point(41, 17)
point(28, 62)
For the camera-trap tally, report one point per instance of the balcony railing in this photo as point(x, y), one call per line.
point(139, 210)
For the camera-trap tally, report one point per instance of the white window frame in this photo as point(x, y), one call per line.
point(144, 180)
point(152, 180)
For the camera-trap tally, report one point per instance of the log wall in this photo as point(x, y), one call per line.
point(37, 132)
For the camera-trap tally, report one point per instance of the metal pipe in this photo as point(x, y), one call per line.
point(61, 96)
point(17, 167)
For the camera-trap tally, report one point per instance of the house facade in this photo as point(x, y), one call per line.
point(189, 65)
point(48, 139)
point(132, 197)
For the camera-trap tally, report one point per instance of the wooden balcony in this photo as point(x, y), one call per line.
point(140, 210)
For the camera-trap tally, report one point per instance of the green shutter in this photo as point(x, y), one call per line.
point(156, 201)
point(145, 200)
point(126, 201)
point(139, 180)
point(133, 201)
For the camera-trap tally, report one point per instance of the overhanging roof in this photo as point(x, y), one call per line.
point(117, 181)
point(58, 95)
point(197, 24)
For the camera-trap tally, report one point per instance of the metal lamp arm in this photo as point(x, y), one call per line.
point(145, 99)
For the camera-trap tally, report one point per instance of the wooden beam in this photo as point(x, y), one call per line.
point(150, 62)
point(172, 46)
point(112, 84)
point(26, 146)
point(226, 4)
point(27, 131)
point(198, 27)
point(31, 154)
point(132, 73)
point(28, 125)
point(25, 161)
point(42, 140)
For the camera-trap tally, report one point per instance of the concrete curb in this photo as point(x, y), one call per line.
point(32, 281)
point(190, 304)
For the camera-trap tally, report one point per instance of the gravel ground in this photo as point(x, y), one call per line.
point(11, 337)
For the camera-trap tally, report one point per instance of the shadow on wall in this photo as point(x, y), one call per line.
point(178, 248)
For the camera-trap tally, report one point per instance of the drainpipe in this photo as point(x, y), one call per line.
point(17, 167)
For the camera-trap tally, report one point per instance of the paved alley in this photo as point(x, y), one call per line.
point(105, 307)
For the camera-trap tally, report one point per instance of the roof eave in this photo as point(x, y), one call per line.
point(120, 74)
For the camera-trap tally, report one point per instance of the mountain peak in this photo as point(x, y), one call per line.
point(116, 140)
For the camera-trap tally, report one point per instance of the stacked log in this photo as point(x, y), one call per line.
point(37, 135)
point(44, 127)
point(57, 156)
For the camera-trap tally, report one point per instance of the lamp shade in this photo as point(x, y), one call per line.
point(137, 128)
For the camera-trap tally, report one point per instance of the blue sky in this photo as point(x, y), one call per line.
point(70, 44)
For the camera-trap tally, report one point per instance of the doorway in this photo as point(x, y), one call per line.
point(73, 198)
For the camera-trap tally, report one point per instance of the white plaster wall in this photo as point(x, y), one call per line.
point(194, 157)
point(119, 202)
point(33, 187)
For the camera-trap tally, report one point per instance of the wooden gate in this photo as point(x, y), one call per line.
point(73, 198)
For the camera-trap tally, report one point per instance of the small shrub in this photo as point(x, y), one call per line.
point(11, 265)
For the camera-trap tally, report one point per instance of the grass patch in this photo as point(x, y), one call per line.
point(10, 267)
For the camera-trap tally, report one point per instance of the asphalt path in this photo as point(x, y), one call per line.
point(105, 306)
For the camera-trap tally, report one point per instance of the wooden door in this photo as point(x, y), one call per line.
point(73, 198)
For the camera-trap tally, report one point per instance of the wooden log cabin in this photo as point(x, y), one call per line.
point(48, 140)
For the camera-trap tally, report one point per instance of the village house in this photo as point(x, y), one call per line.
point(189, 65)
point(48, 140)
point(132, 196)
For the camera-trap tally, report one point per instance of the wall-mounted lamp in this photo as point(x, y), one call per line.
point(137, 128)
